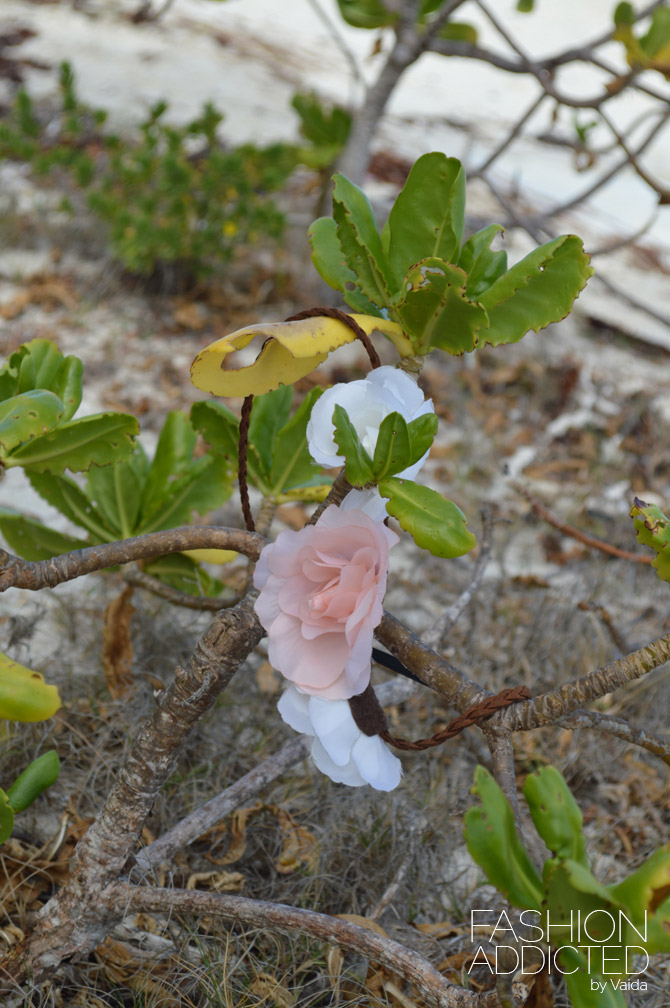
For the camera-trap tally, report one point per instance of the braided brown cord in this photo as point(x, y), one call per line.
point(245, 419)
point(469, 717)
point(348, 321)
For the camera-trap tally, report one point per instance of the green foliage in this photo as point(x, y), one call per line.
point(373, 14)
point(419, 272)
point(28, 786)
point(640, 904)
point(435, 523)
point(650, 50)
point(175, 198)
point(325, 127)
point(133, 497)
point(24, 695)
point(278, 459)
point(652, 528)
point(40, 390)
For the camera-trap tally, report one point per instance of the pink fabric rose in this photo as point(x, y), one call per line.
point(321, 596)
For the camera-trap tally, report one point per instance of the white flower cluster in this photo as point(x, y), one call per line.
point(339, 748)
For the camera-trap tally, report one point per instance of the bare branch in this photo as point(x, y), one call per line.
point(199, 821)
point(435, 988)
point(434, 638)
point(33, 575)
point(202, 603)
point(619, 727)
point(575, 533)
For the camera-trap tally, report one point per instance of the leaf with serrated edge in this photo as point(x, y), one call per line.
point(427, 218)
point(27, 416)
point(435, 523)
point(329, 261)
point(535, 292)
point(435, 310)
point(94, 440)
point(360, 241)
point(482, 266)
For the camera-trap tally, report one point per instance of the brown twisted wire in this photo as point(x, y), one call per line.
point(478, 712)
point(242, 445)
point(342, 316)
point(245, 416)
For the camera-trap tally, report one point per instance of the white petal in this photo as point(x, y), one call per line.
point(334, 727)
point(293, 707)
point(353, 396)
point(368, 501)
point(376, 763)
point(397, 390)
point(341, 775)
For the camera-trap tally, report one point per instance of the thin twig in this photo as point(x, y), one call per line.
point(201, 819)
point(434, 638)
point(435, 988)
point(202, 603)
point(36, 574)
point(574, 533)
point(619, 727)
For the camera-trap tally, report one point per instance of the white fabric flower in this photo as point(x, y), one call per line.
point(367, 402)
point(339, 748)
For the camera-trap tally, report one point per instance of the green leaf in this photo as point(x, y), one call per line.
point(652, 528)
point(579, 984)
point(39, 366)
point(459, 31)
point(36, 778)
point(656, 41)
point(218, 426)
point(202, 488)
point(24, 695)
point(556, 815)
point(118, 491)
point(537, 291)
point(173, 456)
point(435, 311)
point(525, 6)
point(67, 385)
point(6, 817)
point(646, 895)
point(358, 464)
point(269, 413)
point(360, 240)
point(422, 433)
point(32, 540)
point(435, 524)
point(329, 260)
point(427, 218)
point(399, 444)
point(366, 13)
point(493, 842)
point(292, 465)
point(25, 417)
point(184, 574)
point(66, 496)
point(392, 450)
point(481, 264)
point(94, 440)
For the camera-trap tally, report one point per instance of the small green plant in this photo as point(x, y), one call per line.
point(40, 391)
point(133, 497)
point(175, 202)
point(596, 957)
point(24, 696)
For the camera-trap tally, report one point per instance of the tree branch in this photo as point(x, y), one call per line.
point(435, 988)
point(36, 574)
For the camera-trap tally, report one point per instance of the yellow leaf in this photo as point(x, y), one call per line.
point(212, 556)
point(24, 695)
point(291, 350)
